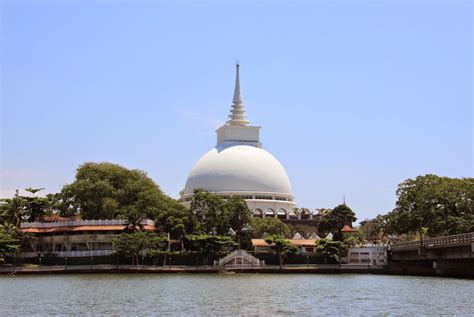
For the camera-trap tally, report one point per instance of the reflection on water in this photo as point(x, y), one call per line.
point(245, 294)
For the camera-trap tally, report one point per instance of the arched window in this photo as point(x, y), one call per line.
point(281, 213)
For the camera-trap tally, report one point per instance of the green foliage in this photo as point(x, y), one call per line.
point(432, 205)
point(215, 216)
point(153, 244)
point(130, 244)
point(12, 211)
point(36, 208)
point(211, 245)
point(23, 208)
point(336, 219)
point(282, 246)
point(372, 228)
point(331, 249)
point(109, 191)
point(10, 241)
point(210, 212)
point(353, 239)
point(239, 214)
point(176, 219)
point(33, 190)
point(269, 226)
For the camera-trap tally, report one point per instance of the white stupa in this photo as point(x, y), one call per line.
point(238, 165)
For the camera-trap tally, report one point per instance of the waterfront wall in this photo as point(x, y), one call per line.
point(86, 269)
point(183, 259)
point(447, 268)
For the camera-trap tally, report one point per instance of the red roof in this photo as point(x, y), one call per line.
point(81, 228)
point(294, 242)
point(346, 228)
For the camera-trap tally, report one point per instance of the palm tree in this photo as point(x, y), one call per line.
point(33, 190)
point(13, 210)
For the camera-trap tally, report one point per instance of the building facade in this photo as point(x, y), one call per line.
point(367, 255)
point(74, 238)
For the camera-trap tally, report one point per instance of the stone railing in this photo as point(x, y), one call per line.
point(63, 254)
point(241, 255)
point(438, 242)
point(77, 223)
point(75, 238)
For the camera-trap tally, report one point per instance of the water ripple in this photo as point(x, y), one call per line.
point(236, 294)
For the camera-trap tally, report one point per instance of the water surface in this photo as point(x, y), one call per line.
point(244, 294)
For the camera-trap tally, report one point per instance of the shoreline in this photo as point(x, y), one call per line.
point(290, 269)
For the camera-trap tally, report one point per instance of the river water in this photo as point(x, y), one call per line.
point(234, 294)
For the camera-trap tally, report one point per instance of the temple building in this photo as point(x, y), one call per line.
point(74, 238)
point(239, 166)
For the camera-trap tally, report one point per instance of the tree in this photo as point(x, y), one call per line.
point(336, 219)
point(268, 226)
point(134, 218)
point(36, 208)
point(23, 208)
point(353, 239)
point(239, 216)
point(211, 245)
point(10, 241)
point(210, 212)
point(371, 228)
point(12, 211)
point(130, 244)
point(109, 191)
point(433, 205)
point(331, 249)
point(282, 246)
point(62, 205)
point(153, 244)
point(177, 220)
point(33, 190)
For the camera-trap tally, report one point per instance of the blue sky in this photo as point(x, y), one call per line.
point(353, 96)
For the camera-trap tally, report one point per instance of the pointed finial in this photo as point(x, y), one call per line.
point(237, 114)
point(237, 94)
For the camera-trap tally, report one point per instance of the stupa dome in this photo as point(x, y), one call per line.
point(238, 168)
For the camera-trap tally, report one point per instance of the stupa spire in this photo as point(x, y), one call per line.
point(237, 114)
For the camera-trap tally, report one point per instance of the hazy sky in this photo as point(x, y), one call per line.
point(353, 97)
